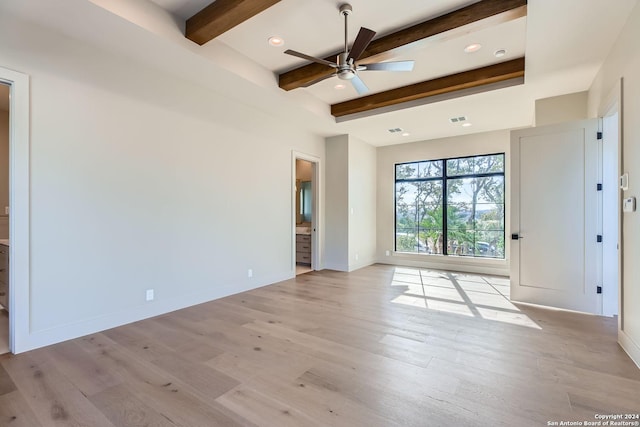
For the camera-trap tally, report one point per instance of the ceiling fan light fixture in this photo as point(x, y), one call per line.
point(276, 41)
point(473, 47)
point(346, 74)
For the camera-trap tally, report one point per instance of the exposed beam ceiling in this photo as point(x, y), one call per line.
point(482, 14)
point(222, 15)
point(485, 76)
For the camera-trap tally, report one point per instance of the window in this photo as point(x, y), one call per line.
point(451, 206)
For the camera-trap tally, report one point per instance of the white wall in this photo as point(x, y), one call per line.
point(624, 62)
point(350, 203)
point(561, 109)
point(142, 180)
point(362, 204)
point(482, 143)
point(336, 245)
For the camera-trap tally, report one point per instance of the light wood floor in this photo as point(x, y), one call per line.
point(382, 346)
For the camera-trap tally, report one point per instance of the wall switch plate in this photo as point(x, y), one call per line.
point(629, 204)
point(149, 295)
point(387, 253)
point(250, 273)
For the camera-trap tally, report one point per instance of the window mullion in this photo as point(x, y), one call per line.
point(445, 239)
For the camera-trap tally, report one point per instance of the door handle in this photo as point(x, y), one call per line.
point(516, 236)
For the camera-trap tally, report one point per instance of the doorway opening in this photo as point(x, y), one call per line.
point(305, 215)
point(18, 269)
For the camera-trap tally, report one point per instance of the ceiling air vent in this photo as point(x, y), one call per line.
point(395, 130)
point(458, 119)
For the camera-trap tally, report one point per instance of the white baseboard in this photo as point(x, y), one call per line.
point(360, 264)
point(335, 266)
point(630, 347)
point(41, 338)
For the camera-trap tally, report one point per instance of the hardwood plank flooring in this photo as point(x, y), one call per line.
point(382, 346)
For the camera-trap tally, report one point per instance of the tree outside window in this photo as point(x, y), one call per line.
point(468, 192)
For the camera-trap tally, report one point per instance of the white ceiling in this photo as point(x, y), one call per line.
point(563, 54)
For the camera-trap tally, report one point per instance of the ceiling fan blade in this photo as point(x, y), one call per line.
point(311, 58)
point(388, 66)
point(359, 85)
point(363, 39)
point(312, 82)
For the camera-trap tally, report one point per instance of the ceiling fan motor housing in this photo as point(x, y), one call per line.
point(345, 70)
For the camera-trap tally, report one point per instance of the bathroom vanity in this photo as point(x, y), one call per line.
point(303, 245)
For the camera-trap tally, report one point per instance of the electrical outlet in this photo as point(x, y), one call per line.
point(6, 210)
point(150, 295)
point(250, 273)
point(387, 253)
point(357, 256)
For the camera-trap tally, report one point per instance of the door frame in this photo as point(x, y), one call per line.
point(611, 187)
point(614, 103)
point(316, 259)
point(19, 216)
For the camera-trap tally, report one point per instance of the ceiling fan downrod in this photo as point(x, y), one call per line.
point(345, 70)
point(346, 10)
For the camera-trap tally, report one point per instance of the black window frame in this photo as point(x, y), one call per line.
point(445, 193)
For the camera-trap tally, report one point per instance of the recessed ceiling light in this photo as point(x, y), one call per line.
point(406, 134)
point(339, 86)
point(500, 53)
point(466, 125)
point(473, 47)
point(276, 41)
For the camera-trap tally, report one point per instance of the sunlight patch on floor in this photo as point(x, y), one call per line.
point(473, 295)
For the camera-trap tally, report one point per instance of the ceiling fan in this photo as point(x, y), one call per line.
point(345, 65)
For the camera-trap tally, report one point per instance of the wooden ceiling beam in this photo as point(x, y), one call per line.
point(481, 15)
point(468, 79)
point(221, 16)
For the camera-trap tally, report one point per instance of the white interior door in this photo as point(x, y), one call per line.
point(554, 215)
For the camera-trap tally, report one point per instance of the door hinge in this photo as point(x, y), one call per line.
point(599, 187)
point(599, 238)
point(599, 289)
point(599, 135)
